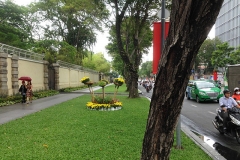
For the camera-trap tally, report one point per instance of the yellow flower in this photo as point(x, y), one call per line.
point(85, 79)
point(92, 105)
point(119, 81)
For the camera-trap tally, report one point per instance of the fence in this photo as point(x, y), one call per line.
point(15, 62)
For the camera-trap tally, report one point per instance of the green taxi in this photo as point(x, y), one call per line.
point(204, 91)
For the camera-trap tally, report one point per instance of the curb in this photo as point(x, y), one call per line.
point(203, 145)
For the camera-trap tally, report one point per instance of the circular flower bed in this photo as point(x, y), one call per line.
point(102, 102)
point(104, 107)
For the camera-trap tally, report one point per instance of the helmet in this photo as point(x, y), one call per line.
point(236, 89)
point(226, 91)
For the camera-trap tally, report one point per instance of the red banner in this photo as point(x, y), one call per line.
point(157, 43)
point(214, 75)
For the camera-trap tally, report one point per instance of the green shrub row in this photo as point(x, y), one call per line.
point(9, 100)
point(70, 89)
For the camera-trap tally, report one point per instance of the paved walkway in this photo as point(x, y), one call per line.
point(9, 113)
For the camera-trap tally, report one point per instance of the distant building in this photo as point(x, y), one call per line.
point(227, 26)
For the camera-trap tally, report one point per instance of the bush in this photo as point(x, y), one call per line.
point(70, 89)
point(9, 100)
point(99, 99)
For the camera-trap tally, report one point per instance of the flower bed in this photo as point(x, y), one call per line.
point(102, 102)
point(104, 107)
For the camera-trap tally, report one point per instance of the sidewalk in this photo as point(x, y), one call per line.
point(9, 113)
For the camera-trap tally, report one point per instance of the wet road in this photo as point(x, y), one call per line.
point(198, 117)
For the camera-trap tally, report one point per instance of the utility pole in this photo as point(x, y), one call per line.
point(163, 26)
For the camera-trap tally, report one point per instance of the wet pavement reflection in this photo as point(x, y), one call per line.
point(226, 152)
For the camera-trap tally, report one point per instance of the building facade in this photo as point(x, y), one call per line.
point(227, 26)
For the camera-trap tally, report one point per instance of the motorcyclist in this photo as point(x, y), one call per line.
point(148, 86)
point(236, 94)
point(225, 103)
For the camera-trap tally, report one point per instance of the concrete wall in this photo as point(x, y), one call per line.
point(13, 67)
point(9, 75)
point(70, 77)
point(74, 76)
point(33, 69)
point(64, 79)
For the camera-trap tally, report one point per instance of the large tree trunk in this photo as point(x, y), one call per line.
point(133, 87)
point(191, 21)
point(131, 83)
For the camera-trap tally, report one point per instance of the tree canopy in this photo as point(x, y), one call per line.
point(59, 29)
point(13, 29)
point(97, 62)
point(146, 69)
point(225, 55)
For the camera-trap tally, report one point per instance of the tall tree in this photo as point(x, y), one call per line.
point(191, 22)
point(205, 53)
point(223, 55)
point(132, 25)
point(13, 28)
point(97, 62)
point(146, 69)
point(236, 56)
point(72, 21)
point(128, 35)
point(112, 49)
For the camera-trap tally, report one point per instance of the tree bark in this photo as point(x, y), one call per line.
point(132, 60)
point(132, 72)
point(190, 23)
point(133, 87)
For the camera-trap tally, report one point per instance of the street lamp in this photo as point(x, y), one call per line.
point(203, 65)
point(163, 24)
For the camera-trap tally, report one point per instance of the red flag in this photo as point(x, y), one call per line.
point(157, 43)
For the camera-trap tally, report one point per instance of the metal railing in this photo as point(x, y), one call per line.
point(20, 52)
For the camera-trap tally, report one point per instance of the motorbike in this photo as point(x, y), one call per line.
point(148, 88)
point(238, 102)
point(233, 123)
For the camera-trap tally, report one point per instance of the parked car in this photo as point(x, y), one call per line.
point(204, 91)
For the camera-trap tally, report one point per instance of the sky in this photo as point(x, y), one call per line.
point(102, 39)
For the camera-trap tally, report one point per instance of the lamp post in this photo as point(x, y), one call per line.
point(203, 65)
point(163, 25)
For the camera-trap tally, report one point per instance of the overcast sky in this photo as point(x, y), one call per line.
point(102, 40)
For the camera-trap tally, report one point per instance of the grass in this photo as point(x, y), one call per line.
point(70, 131)
point(111, 89)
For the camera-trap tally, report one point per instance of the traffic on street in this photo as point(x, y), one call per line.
point(198, 118)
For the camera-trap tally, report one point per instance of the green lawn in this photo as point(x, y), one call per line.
point(70, 131)
point(111, 89)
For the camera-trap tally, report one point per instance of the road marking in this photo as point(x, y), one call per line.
point(211, 112)
point(193, 105)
